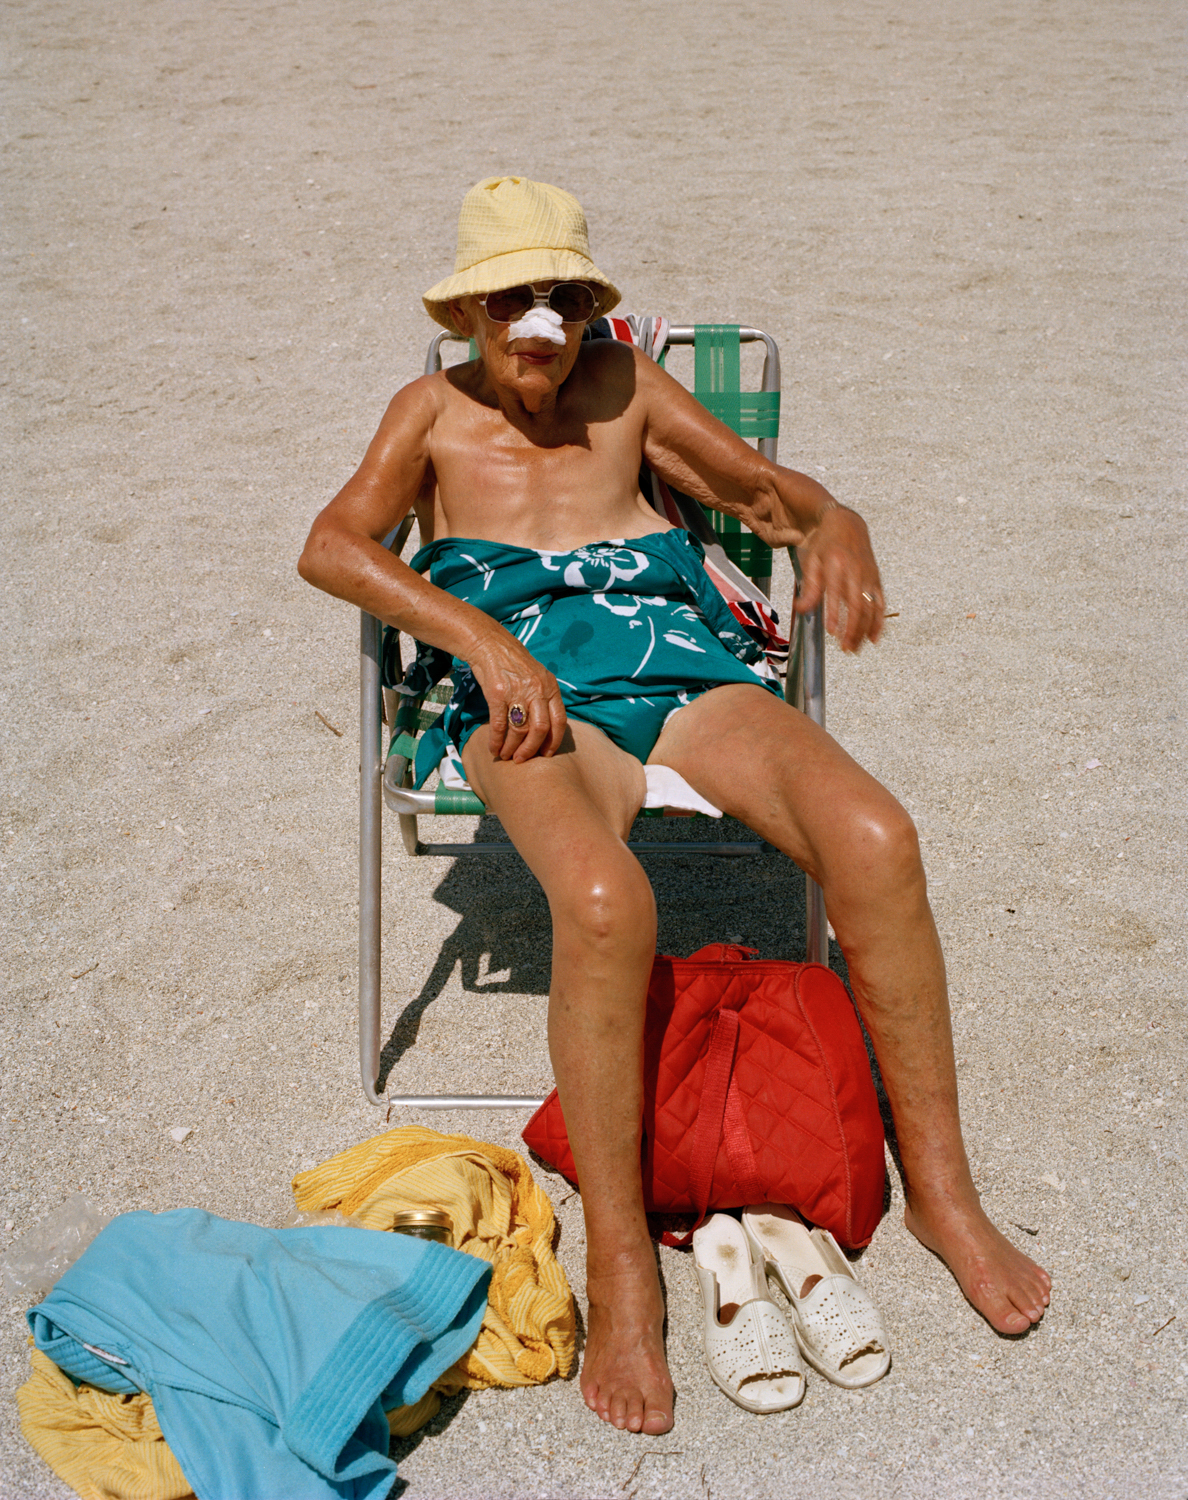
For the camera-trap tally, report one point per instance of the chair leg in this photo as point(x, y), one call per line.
point(813, 689)
point(805, 689)
point(370, 852)
point(410, 835)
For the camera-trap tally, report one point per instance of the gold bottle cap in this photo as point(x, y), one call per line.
point(422, 1218)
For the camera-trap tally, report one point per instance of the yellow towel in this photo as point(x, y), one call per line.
point(498, 1212)
point(106, 1447)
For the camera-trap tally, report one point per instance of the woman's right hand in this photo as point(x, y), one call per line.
point(511, 677)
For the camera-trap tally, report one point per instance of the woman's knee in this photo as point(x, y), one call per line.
point(607, 906)
point(877, 848)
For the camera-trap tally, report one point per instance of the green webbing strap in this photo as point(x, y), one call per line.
point(416, 714)
point(473, 351)
point(717, 384)
point(716, 365)
point(744, 549)
point(751, 414)
point(404, 744)
point(451, 800)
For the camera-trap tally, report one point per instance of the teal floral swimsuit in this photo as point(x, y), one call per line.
point(632, 631)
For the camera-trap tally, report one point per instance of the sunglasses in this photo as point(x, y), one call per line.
point(572, 301)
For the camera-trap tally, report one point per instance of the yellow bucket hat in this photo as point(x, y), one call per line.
point(512, 231)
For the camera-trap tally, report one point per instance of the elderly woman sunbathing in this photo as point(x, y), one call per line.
point(527, 459)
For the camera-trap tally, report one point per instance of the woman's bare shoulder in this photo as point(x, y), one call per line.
point(418, 403)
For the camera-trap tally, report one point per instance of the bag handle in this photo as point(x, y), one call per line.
point(721, 953)
point(707, 1132)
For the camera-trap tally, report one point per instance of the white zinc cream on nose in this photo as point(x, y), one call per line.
point(538, 323)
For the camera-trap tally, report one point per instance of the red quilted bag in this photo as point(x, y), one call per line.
point(757, 1089)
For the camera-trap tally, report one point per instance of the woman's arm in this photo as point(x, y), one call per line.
point(344, 556)
point(701, 456)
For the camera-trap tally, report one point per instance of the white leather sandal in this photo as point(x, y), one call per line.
point(749, 1347)
point(837, 1325)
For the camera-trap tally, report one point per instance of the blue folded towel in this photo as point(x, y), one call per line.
point(271, 1355)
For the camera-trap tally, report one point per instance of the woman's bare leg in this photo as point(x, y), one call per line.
point(569, 817)
point(768, 765)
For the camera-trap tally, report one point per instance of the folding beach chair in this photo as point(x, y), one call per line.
point(738, 562)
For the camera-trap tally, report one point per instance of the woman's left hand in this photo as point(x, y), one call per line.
point(837, 564)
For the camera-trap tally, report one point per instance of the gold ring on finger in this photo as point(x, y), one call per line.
point(517, 715)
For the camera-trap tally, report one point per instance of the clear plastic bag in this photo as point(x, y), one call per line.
point(34, 1261)
point(329, 1216)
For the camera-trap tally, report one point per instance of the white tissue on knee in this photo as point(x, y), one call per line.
point(538, 323)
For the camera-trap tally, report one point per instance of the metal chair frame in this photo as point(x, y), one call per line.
point(378, 784)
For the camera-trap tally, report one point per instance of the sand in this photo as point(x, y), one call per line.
point(965, 228)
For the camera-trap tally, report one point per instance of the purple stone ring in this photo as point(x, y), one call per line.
point(516, 716)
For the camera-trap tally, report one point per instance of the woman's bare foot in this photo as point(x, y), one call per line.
point(625, 1378)
point(1004, 1285)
